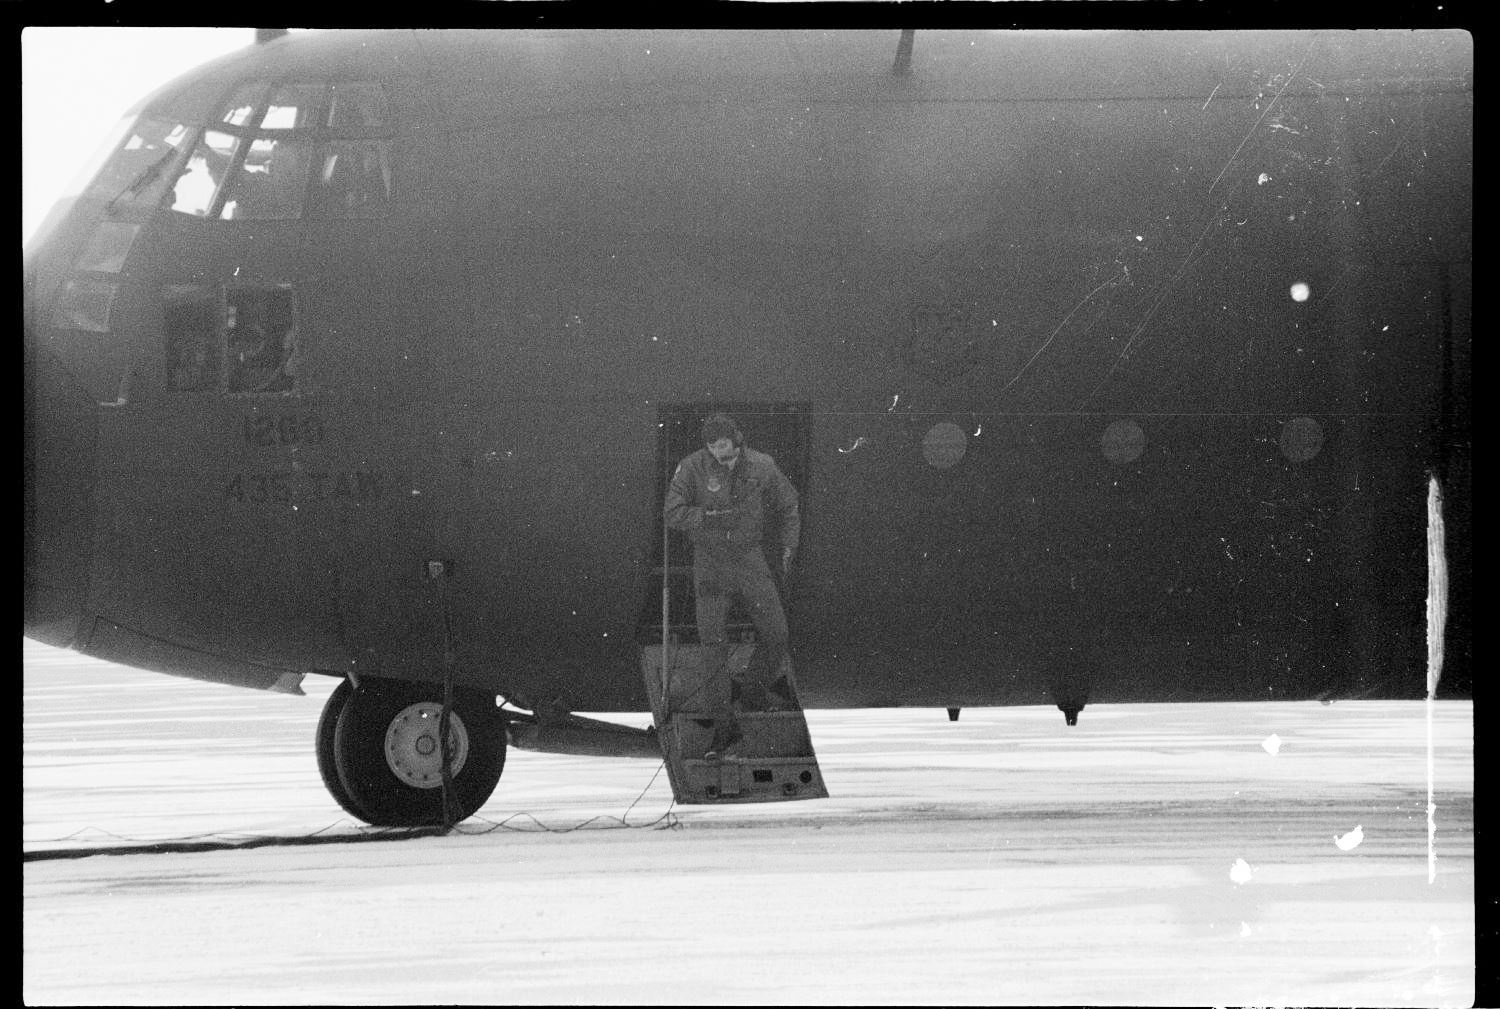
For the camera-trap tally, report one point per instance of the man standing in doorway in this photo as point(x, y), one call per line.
point(721, 496)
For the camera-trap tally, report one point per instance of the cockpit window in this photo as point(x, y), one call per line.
point(293, 107)
point(107, 248)
point(204, 171)
point(84, 303)
point(269, 183)
point(238, 339)
point(353, 180)
point(289, 149)
point(244, 104)
point(260, 335)
point(191, 316)
point(356, 106)
point(276, 151)
point(234, 178)
point(139, 171)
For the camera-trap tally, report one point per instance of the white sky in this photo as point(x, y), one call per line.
point(76, 83)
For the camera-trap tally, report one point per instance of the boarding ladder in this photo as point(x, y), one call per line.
point(773, 762)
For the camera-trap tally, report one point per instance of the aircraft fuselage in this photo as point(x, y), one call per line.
point(1025, 321)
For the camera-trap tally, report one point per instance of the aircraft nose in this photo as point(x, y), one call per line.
point(61, 447)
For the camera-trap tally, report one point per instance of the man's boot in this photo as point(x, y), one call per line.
point(748, 696)
point(726, 734)
point(781, 696)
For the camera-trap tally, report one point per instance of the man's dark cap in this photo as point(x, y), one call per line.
point(720, 425)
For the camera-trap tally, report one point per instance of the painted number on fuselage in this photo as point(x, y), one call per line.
point(285, 429)
point(306, 486)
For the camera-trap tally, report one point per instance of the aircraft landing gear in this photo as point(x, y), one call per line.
point(327, 767)
point(1070, 690)
point(379, 756)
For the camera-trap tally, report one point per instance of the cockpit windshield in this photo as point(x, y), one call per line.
point(272, 151)
point(141, 168)
point(289, 150)
point(234, 178)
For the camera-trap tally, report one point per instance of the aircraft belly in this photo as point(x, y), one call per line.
point(128, 646)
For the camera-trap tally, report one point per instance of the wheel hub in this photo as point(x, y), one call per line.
point(411, 744)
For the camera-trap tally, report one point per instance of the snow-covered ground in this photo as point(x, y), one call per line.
point(1194, 854)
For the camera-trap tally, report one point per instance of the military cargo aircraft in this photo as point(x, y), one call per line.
point(1110, 367)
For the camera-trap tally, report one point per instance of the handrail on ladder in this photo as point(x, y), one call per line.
point(666, 567)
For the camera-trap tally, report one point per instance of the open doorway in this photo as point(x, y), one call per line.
point(782, 431)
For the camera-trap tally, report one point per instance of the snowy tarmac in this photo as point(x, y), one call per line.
point(1188, 854)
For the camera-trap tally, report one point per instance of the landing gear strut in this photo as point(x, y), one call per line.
point(380, 758)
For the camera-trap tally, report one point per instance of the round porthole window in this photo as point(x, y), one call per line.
point(1301, 439)
point(1123, 441)
point(944, 445)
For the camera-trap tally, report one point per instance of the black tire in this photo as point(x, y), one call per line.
point(385, 752)
point(327, 764)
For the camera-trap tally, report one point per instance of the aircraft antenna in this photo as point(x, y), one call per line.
point(903, 52)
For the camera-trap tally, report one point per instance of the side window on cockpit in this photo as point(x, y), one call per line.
point(240, 339)
point(356, 106)
point(191, 315)
point(353, 180)
point(260, 337)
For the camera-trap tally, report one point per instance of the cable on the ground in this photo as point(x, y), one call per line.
point(221, 842)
